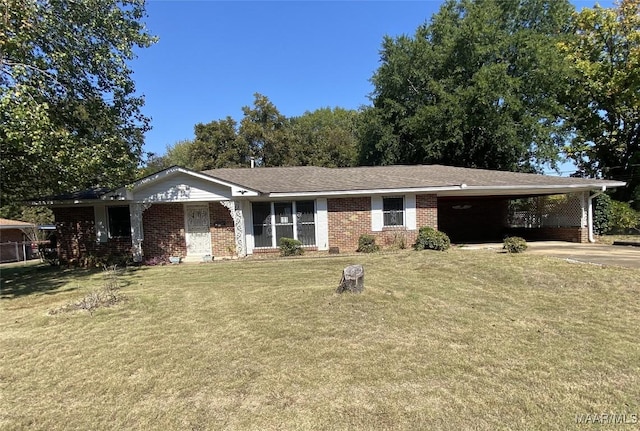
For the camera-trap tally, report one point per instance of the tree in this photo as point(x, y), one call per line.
point(475, 87)
point(326, 137)
point(217, 145)
point(69, 115)
point(266, 134)
point(178, 154)
point(605, 99)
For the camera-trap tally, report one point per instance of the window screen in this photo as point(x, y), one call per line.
point(393, 211)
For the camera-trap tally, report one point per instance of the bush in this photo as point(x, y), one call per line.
point(431, 239)
point(601, 214)
point(290, 247)
point(367, 244)
point(514, 244)
point(623, 218)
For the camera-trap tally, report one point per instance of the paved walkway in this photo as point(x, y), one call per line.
point(599, 254)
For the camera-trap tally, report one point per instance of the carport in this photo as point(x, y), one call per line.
point(555, 213)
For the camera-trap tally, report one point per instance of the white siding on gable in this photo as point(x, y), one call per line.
point(182, 188)
point(376, 213)
point(410, 211)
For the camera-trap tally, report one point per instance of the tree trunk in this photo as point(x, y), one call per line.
point(352, 279)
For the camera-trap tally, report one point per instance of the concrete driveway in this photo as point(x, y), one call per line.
point(600, 254)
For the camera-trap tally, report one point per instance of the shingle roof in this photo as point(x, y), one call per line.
point(14, 224)
point(316, 179)
point(87, 194)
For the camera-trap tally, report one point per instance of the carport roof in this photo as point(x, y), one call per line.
point(318, 180)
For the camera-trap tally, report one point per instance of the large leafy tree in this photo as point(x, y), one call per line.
point(69, 114)
point(217, 145)
point(474, 87)
point(266, 133)
point(605, 99)
point(326, 137)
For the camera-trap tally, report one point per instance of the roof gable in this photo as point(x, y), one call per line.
point(163, 186)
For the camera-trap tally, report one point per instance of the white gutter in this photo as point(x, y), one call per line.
point(590, 212)
point(462, 189)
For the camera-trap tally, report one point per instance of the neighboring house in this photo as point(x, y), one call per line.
point(14, 242)
point(226, 212)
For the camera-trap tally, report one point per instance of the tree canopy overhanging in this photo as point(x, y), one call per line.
point(507, 85)
point(604, 105)
point(69, 113)
point(477, 86)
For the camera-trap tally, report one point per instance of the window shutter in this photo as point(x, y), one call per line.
point(410, 211)
point(376, 213)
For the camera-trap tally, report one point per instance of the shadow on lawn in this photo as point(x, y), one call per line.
point(44, 279)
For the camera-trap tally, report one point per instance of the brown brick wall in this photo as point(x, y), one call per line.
point(164, 233)
point(427, 211)
point(223, 240)
point(348, 219)
point(351, 217)
point(569, 234)
point(163, 226)
point(76, 235)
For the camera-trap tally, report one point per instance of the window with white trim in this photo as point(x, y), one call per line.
point(275, 220)
point(119, 221)
point(393, 211)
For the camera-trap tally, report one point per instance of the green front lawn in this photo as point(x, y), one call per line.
point(457, 340)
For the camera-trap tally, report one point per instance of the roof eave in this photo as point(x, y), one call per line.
point(534, 189)
point(459, 190)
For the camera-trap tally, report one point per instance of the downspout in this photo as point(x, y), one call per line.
point(590, 213)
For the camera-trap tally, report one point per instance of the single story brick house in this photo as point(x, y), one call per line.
point(244, 211)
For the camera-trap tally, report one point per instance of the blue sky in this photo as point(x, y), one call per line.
point(212, 56)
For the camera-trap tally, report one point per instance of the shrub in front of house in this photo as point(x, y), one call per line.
point(514, 244)
point(290, 247)
point(431, 239)
point(367, 244)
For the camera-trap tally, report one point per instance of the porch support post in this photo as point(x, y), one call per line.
point(237, 215)
point(137, 234)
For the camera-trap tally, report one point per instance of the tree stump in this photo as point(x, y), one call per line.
point(352, 279)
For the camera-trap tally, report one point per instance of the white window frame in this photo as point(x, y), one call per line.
point(294, 212)
point(111, 235)
point(403, 211)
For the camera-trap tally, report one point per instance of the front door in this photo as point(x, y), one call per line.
point(197, 232)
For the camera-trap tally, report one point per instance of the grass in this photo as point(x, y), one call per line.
point(610, 239)
point(457, 340)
